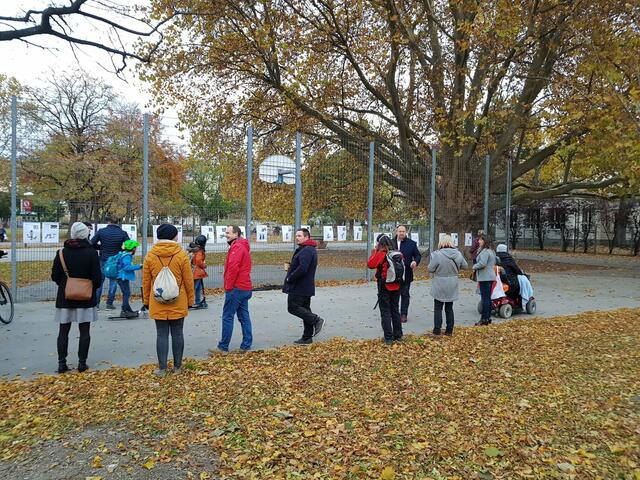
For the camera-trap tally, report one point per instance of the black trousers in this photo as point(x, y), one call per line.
point(389, 301)
point(83, 344)
point(404, 298)
point(437, 316)
point(300, 306)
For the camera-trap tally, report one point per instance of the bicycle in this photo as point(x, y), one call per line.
point(6, 300)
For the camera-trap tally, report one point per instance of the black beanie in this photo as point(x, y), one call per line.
point(166, 232)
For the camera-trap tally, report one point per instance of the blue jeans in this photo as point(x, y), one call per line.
point(113, 287)
point(198, 286)
point(126, 293)
point(485, 296)
point(236, 302)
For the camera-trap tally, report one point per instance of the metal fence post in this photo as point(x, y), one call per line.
point(372, 152)
point(432, 206)
point(247, 222)
point(14, 192)
point(145, 183)
point(507, 213)
point(298, 199)
point(487, 172)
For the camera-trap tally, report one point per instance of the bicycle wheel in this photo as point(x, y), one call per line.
point(6, 304)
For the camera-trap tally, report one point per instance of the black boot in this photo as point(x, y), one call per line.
point(83, 347)
point(62, 366)
point(82, 365)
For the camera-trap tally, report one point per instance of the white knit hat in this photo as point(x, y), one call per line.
point(79, 231)
point(501, 248)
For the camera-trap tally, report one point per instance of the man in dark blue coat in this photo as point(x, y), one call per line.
point(412, 258)
point(108, 241)
point(300, 286)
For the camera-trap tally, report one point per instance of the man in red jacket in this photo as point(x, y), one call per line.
point(237, 287)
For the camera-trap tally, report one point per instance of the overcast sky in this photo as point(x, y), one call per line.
point(30, 64)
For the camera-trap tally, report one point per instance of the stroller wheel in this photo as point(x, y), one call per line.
point(506, 310)
point(531, 307)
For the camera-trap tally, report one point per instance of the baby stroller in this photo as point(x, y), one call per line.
point(506, 298)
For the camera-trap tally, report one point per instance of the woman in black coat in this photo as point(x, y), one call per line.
point(82, 261)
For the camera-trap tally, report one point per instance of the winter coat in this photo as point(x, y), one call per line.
point(126, 268)
point(168, 253)
point(109, 240)
point(82, 262)
point(445, 264)
point(506, 261)
point(411, 253)
point(300, 279)
point(237, 266)
point(485, 265)
point(378, 262)
point(198, 264)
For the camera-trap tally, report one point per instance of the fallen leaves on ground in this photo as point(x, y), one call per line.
point(553, 398)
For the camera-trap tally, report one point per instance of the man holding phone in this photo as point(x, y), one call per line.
point(300, 286)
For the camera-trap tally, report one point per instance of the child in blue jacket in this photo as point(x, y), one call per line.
point(127, 272)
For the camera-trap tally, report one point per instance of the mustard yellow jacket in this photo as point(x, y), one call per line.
point(168, 253)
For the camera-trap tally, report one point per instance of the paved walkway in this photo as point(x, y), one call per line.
point(28, 345)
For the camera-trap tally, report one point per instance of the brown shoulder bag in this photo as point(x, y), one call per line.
point(79, 289)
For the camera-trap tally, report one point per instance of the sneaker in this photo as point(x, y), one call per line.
point(161, 372)
point(244, 350)
point(302, 341)
point(388, 341)
point(217, 351)
point(203, 305)
point(318, 326)
point(110, 306)
point(129, 314)
point(448, 334)
point(177, 370)
point(398, 339)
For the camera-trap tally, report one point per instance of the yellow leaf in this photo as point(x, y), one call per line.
point(150, 464)
point(97, 462)
point(93, 478)
point(309, 433)
point(204, 476)
point(388, 473)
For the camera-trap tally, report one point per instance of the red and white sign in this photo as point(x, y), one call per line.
point(26, 206)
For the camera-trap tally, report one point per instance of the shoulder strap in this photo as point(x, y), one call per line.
point(64, 265)
point(160, 260)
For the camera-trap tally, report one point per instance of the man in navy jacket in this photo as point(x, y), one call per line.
point(300, 286)
point(108, 241)
point(412, 258)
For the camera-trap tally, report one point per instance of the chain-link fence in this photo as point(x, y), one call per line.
point(345, 191)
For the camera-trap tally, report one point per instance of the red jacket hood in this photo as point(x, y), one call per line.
point(309, 243)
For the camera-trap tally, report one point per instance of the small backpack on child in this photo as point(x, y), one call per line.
point(112, 266)
point(395, 270)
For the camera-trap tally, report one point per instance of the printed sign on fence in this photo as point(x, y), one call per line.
point(208, 231)
point(415, 236)
point(342, 233)
point(468, 239)
point(287, 233)
point(262, 233)
point(454, 237)
point(220, 234)
point(131, 229)
point(31, 232)
point(357, 233)
point(50, 232)
point(327, 233)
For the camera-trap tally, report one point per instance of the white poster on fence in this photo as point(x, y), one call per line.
point(131, 230)
point(327, 233)
point(468, 239)
point(50, 232)
point(342, 233)
point(31, 232)
point(262, 233)
point(357, 233)
point(454, 237)
point(287, 233)
point(179, 228)
point(415, 236)
point(208, 231)
point(155, 233)
point(220, 234)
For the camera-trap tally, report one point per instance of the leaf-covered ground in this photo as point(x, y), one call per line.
point(554, 398)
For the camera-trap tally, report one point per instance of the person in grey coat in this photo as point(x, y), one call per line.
point(485, 268)
point(445, 264)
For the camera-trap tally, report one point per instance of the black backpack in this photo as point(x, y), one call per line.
point(395, 272)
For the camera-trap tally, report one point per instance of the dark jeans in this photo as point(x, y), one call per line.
point(163, 327)
point(83, 344)
point(300, 306)
point(437, 316)
point(485, 296)
point(113, 286)
point(198, 286)
point(236, 302)
point(404, 298)
point(126, 294)
point(389, 312)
